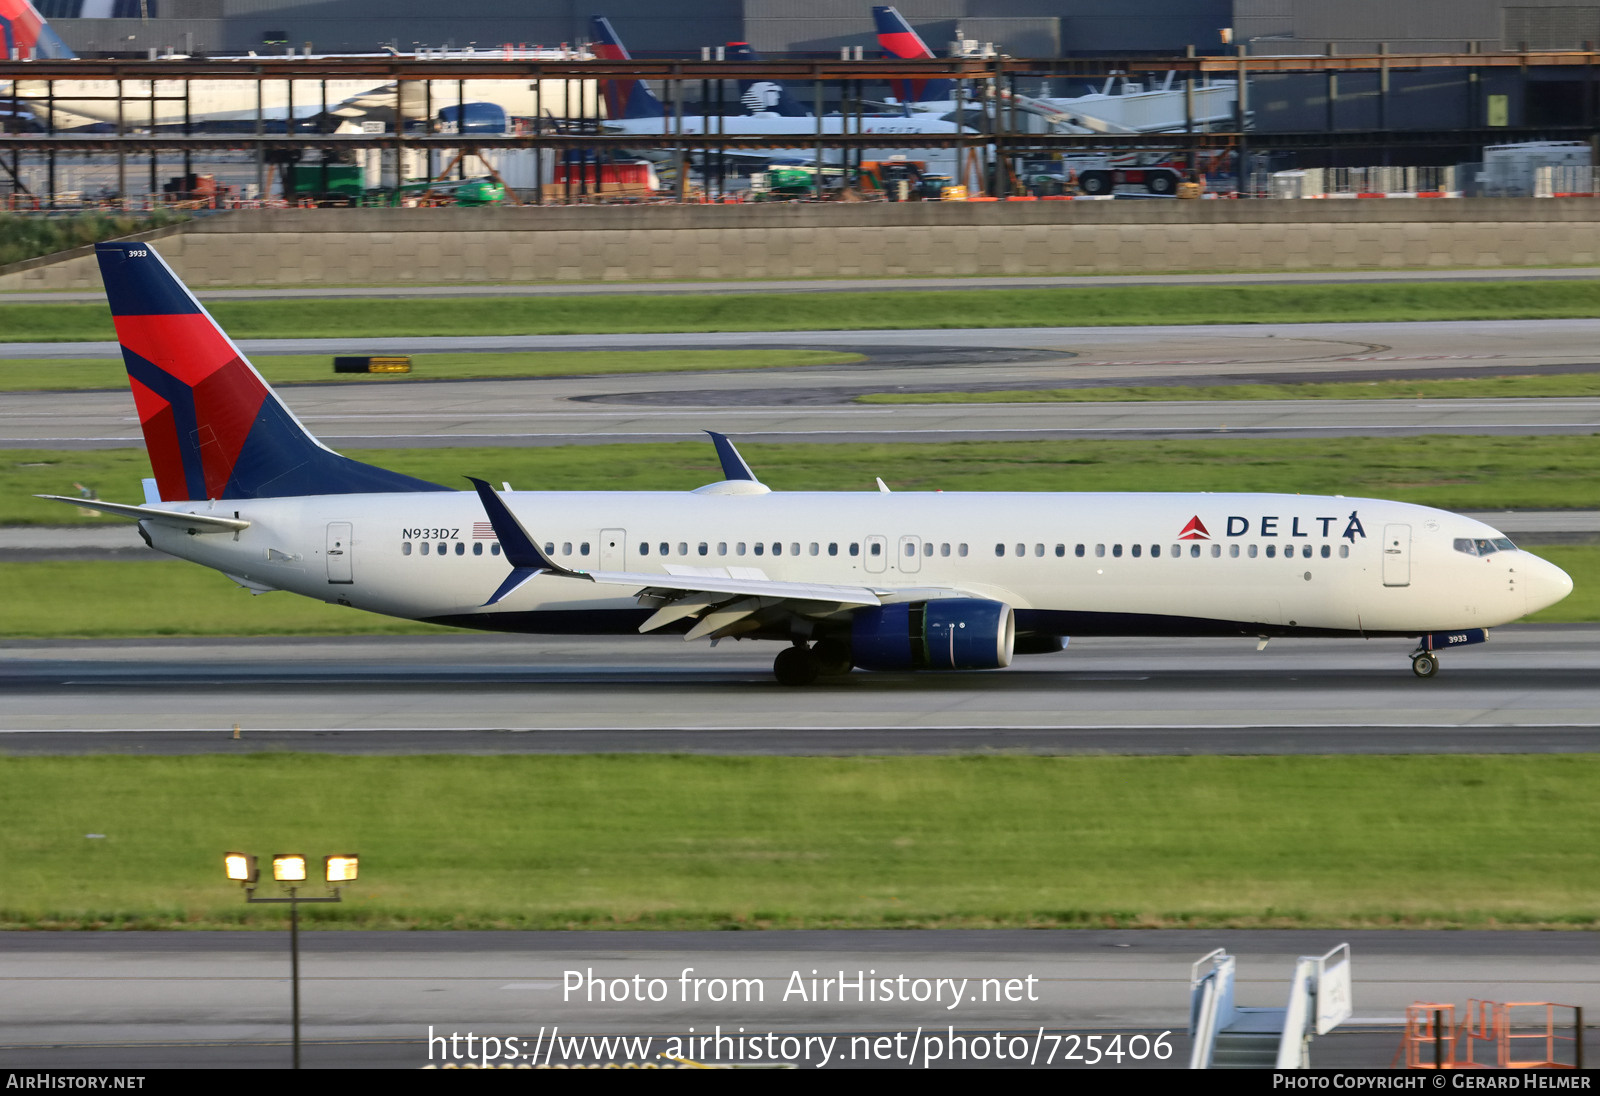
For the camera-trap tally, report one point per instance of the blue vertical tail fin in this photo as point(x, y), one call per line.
point(764, 96)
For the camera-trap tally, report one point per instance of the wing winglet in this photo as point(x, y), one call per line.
point(520, 549)
point(733, 465)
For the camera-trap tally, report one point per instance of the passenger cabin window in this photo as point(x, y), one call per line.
point(477, 548)
point(424, 547)
point(1233, 551)
point(705, 549)
point(1155, 550)
point(877, 549)
point(1344, 551)
point(855, 548)
point(494, 549)
point(549, 548)
point(833, 548)
point(1022, 549)
point(644, 548)
point(1216, 551)
point(1061, 550)
point(1135, 549)
point(583, 549)
point(1116, 551)
point(1252, 552)
point(1078, 551)
point(1099, 550)
point(962, 551)
point(760, 548)
point(1272, 551)
point(405, 548)
point(461, 547)
point(999, 549)
point(927, 548)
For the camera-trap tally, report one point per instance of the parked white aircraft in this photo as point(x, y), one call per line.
point(913, 581)
point(141, 104)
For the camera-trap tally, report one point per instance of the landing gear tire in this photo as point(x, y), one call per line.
point(832, 659)
point(795, 666)
point(1425, 664)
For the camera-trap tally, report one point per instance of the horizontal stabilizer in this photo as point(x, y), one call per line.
point(194, 523)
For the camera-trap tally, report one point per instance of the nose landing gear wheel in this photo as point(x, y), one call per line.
point(1425, 664)
point(795, 666)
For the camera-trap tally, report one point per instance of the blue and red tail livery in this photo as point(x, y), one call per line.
point(213, 428)
point(624, 98)
point(897, 39)
point(25, 36)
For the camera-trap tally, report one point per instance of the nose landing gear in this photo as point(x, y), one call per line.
point(1425, 664)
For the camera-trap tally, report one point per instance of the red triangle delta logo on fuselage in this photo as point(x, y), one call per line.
point(1195, 530)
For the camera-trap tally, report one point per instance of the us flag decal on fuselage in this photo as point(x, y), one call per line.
point(482, 530)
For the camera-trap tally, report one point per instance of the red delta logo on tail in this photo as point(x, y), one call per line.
point(25, 36)
point(1195, 530)
point(213, 428)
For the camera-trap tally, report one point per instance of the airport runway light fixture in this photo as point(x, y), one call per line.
point(241, 868)
point(341, 869)
point(290, 869)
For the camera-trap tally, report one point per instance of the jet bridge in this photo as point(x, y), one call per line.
point(1230, 1036)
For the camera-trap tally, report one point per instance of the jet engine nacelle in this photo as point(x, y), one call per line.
point(943, 634)
point(474, 118)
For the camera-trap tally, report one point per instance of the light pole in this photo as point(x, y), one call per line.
point(290, 868)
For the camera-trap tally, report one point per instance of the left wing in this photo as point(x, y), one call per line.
point(722, 603)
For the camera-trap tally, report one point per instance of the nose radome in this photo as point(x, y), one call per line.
point(1543, 583)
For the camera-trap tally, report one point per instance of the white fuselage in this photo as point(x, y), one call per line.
point(84, 102)
point(1266, 564)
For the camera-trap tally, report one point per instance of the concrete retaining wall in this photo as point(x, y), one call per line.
point(443, 246)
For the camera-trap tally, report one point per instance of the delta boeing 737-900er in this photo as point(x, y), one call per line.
point(880, 581)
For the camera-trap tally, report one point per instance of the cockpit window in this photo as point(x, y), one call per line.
point(1482, 546)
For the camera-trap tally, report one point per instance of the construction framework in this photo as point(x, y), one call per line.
point(842, 82)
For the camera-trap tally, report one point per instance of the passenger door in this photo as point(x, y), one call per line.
point(340, 568)
point(1397, 555)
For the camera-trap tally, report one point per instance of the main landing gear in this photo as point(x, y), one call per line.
point(1425, 664)
point(802, 665)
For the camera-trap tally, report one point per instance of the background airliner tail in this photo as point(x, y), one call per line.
point(624, 98)
point(213, 427)
point(25, 36)
point(764, 96)
point(897, 39)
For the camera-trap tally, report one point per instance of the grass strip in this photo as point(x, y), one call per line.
point(68, 374)
point(161, 596)
point(1454, 388)
point(1072, 307)
point(1460, 473)
point(629, 841)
